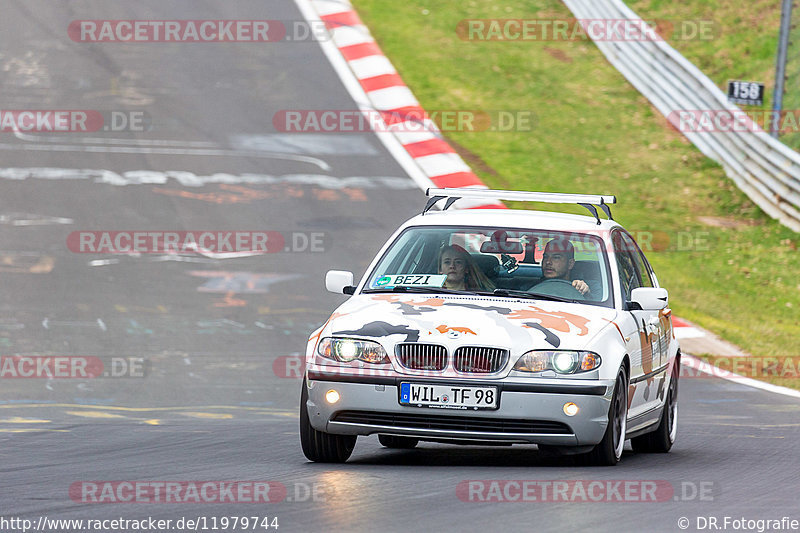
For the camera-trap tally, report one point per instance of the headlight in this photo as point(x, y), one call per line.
point(561, 361)
point(347, 350)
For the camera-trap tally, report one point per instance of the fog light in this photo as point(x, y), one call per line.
point(332, 396)
point(570, 409)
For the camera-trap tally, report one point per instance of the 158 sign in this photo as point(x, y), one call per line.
point(746, 92)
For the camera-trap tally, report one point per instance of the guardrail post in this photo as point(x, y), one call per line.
point(780, 68)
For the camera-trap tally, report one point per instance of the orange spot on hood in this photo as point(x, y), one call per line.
point(444, 329)
point(557, 320)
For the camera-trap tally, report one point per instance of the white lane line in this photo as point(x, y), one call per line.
point(30, 219)
point(164, 151)
point(321, 144)
point(706, 368)
point(99, 140)
point(190, 179)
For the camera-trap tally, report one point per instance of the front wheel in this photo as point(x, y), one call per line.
point(609, 451)
point(319, 446)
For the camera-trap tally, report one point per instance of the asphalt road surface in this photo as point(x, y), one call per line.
point(204, 344)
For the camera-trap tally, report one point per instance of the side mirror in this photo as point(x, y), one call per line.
point(650, 298)
point(339, 282)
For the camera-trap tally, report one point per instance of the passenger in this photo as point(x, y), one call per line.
point(462, 271)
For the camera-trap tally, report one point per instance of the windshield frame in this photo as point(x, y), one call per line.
point(609, 302)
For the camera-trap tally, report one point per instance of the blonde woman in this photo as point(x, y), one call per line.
point(462, 271)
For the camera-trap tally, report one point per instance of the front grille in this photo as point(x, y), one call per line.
point(477, 359)
point(422, 356)
point(452, 423)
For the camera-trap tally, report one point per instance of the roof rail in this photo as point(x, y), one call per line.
point(589, 201)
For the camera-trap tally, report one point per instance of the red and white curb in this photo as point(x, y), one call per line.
point(685, 330)
point(381, 88)
point(696, 340)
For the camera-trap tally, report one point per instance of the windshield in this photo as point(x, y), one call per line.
point(510, 262)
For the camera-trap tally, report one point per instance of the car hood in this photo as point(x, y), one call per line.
point(514, 324)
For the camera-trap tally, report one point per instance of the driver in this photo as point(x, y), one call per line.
point(557, 263)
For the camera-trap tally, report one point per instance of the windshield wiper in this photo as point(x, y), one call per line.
point(404, 288)
point(529, 295)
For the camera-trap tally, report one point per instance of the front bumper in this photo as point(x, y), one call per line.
point(528, 412)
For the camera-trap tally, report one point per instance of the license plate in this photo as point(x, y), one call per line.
point(448, 396)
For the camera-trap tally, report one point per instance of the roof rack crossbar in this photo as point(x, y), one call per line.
point(589, 201)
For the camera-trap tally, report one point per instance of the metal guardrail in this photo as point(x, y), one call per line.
point(765, 169)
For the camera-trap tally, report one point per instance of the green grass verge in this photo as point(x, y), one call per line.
point(596, 134)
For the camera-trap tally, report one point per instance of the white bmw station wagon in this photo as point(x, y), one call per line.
point(497, 326)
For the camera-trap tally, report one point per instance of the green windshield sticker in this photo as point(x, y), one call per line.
point(412, 280)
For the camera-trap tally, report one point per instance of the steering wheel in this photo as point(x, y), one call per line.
point(561, 288)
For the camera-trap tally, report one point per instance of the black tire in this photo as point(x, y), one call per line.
point(399, 443)
point(609, 451)
point(319, 446)
point(662, 439)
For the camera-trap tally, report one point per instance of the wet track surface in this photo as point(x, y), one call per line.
point(216, 400)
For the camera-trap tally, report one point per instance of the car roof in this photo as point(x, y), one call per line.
point(512, 218)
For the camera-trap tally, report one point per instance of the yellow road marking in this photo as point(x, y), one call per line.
point(95, 414)
point(267, 410)
point(20, 420)
point(30, 430)
point(215, 416)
